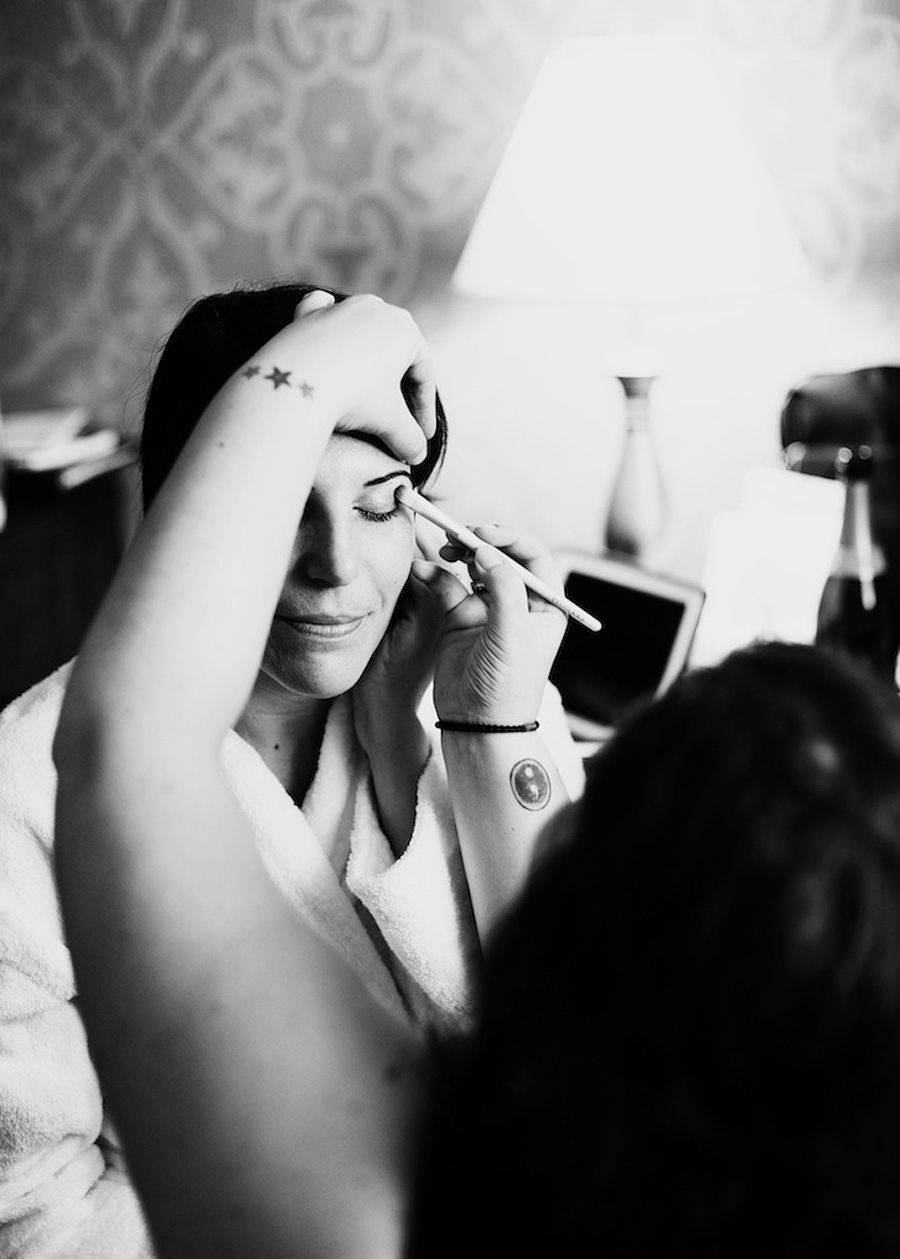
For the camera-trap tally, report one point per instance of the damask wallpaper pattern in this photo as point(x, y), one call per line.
point(151, 150)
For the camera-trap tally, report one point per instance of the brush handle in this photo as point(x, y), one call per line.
point(465, 537)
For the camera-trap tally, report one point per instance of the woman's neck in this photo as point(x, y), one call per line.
point(286, 730)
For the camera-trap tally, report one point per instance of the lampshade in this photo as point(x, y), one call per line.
point(631, 178)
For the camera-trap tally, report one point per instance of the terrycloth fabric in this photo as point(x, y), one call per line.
point(63, 1190)
point(306, 853)
point(403, 924)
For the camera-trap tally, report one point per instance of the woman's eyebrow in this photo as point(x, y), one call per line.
point(389, 476)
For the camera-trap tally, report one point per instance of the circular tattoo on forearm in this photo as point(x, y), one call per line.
point(530, 784)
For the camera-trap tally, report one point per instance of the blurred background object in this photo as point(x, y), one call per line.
point(631, 180)
point(827, 411)
point(2, 474)
point(856, 613)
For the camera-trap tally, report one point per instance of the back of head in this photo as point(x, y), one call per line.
point(217, 335)
point(691, 1032)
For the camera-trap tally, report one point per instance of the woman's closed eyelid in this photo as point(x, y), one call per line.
point(381, 506)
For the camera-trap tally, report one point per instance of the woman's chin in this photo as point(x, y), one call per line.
point(321, 662)
point(317, 678)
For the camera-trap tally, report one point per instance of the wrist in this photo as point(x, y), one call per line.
point(507, 708)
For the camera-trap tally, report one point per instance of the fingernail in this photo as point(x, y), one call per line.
point(317, 299)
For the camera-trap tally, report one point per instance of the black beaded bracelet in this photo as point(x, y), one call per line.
point(476, 727)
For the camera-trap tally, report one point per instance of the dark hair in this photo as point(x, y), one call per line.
point(213, 338)
point(690, 1038)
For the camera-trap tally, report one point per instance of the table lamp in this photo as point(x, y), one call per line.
point(630, 179)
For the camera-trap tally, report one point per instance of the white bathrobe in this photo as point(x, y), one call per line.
point(64, 1192)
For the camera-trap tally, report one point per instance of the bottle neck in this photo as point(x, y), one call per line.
point(858, 554)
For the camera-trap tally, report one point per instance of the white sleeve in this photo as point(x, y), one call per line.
point(63, 1189)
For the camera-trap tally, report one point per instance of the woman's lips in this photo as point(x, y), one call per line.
point(322, 627)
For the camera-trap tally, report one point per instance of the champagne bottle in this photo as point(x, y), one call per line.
point(855, 612)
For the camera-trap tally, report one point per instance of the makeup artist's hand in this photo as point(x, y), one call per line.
point(497, 644)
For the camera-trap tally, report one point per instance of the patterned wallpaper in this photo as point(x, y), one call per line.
point(151, 150)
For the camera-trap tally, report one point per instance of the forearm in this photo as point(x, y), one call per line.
point(505, 789)
point(251, 1042)
point(183, 625)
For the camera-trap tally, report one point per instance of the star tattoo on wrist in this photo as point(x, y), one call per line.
point(279, 378)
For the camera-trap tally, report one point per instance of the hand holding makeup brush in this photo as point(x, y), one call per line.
point(498, 643)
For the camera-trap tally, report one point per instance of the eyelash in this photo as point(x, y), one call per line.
point(379, 517)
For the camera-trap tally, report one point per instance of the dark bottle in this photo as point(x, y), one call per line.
point(855, 609)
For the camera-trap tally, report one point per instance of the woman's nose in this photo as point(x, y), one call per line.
point(326, 552)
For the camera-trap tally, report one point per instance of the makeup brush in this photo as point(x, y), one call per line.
point(465, 537)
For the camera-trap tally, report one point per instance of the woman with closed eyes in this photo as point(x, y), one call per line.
point(293, 539)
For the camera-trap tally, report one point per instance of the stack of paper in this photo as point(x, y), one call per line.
point(768, 561)
point(56, 441)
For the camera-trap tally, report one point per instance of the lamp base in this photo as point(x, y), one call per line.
point(638, 510)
